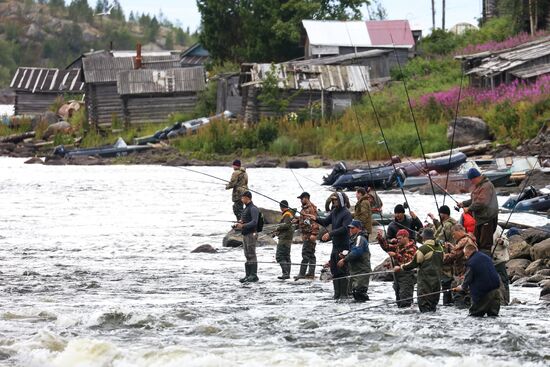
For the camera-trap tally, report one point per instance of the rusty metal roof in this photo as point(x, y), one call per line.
point(104, 69)
point(347, 78)
point(41, 80)
point(152, 81)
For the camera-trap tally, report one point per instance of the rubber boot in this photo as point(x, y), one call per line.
point(302, 273)
point(247, 271)
point(253, 277)
point(344, 287)
point(311, 273)
point(336, 286)
point(286, 271)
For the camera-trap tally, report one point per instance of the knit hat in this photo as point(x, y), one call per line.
point(356, 223)
point(444, 209)
point(473, 173)
point(237, 162)
point(428, 234)
point(248, 194)
point(399, 209)
point(402, 233)
point(283, 204)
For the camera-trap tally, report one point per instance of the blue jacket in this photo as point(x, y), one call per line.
point(481, 276)
point(340, 218)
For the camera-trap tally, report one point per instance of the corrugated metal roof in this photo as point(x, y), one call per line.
point(532, 71)
point(36, 80)
point(335, 60)
point(104, 69)
point(193, 60)
point(152, 81)
point(512, 58)
point(348, 78)
point(359, 33)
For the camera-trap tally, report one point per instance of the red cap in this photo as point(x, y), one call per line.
point(402, 233)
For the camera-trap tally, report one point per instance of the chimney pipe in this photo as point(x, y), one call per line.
point(111, 46)
point(137, 64)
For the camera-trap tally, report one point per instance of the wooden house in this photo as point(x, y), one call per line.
point(330, 88)
point(195, 55)
point(103, 103)
point(525, 62)
point(150, 95)
point(37, 88)
point(228, 95)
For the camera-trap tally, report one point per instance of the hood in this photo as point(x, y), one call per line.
point(341, 200)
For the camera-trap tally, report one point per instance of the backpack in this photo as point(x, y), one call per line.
point(261, 221)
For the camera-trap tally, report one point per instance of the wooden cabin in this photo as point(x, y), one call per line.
point(36, 89)
point(329, 88)
point(103, 103)
point(150, 95)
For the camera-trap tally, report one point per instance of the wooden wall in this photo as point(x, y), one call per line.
point(155, 109)
point(103, 103)
point(27, 103)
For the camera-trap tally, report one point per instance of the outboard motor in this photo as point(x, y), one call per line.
point(392, 179)
point(60, 151)
point(339, 169)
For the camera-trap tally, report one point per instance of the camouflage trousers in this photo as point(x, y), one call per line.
point(238, 209)
point(249, 247)
point(282, 256)
point(308, 258)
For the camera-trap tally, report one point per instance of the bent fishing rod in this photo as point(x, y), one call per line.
point(391, 302)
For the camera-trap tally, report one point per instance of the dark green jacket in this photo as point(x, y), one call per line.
point(285, 230)
point(429, 260)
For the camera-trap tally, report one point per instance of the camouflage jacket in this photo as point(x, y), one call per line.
point(443, 232)
point(238, 182)
point(308, 227)
point(456, 257)
point(363, 213)
point(403, 254)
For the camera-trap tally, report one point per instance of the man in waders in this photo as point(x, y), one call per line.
point(239, 184)
point(483, 281)
point(428, 259)
point(249, 226)
point(358, 259)
point(339, 217)
point(444, 236)
point(363, 211)
point(401, 251)
point(402, 221)
point(484, 206)
point(284, 232)
point(457, 260)
point(309, 230)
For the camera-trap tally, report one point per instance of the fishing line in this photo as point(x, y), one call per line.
point(296, 178)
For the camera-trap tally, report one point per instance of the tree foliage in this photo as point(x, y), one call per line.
point(264, 30)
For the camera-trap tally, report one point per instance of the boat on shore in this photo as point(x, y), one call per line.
point(456, 183)
point(529, 200)
point(118, 149)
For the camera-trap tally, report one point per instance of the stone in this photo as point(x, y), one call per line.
point(536, 279)
point(49, 117)
point(517, 267)
point(61, 127)
point(34, 160)
point(544, 272)
point(537, 265)
point(235, 239)
point(271, 216)
point(541, 250)
point(468, 130)
point(534, 235)
point(519, 249)
point(385, 265)
point(267, 162)
point(205, 249)
point(297, 163)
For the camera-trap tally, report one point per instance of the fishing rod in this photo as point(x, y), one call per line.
point(454, 131)
point(253, 262)
point(391, 302)
point(364, 274)
point(296, 178)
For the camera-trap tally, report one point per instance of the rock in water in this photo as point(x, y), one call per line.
point(34, 160)
point(297, 163)
point(519, 249)
point(541, 250)
point(534, 235)
point(516, 267)
point(232, 239)
point(206, 249)
point(468, 130)
point(385, 265)
point(536, 266)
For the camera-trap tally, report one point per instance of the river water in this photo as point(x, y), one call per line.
point(96, 270)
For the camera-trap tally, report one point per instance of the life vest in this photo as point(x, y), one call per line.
point(469, 222)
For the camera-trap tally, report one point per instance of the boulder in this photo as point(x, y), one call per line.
point(206, 249)
point(534, 235)
point(267, 162)
point(536, 266)
point(61, 127)
point(468, 130)
point(385, 265)
point(235, 239)
point(541, 250)
point(271, 216)
point(297, 163)
point(536, 279)
point(49, 118)
point(544, 272)
point(519, 249)
point(517, 267)
point(34, 160)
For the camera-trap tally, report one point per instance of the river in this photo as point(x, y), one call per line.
point(96, 270)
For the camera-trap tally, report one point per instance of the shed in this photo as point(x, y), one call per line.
point(333, 88)
point(228, 95)
point(37, 88)
point(150, 95)
point(331, 38)
point(103, 103)
point(491, 68)
point(194, 55)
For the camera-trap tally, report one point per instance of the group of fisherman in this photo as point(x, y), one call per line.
point(466, 265)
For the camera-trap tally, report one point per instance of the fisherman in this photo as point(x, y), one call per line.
point(401, 251)
point(429, 259)
point(444, 236)
point(309, 230)
point(363, 211)
point(484, 206)
point(483, 281)
point(249, 227)
point(501, 256)
point(284, 232)
point(328, 202)
point(375, 201)
point(457, 260)
point(339, 217)
point(239, 184)
point(358, 259)
point(402, 221)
